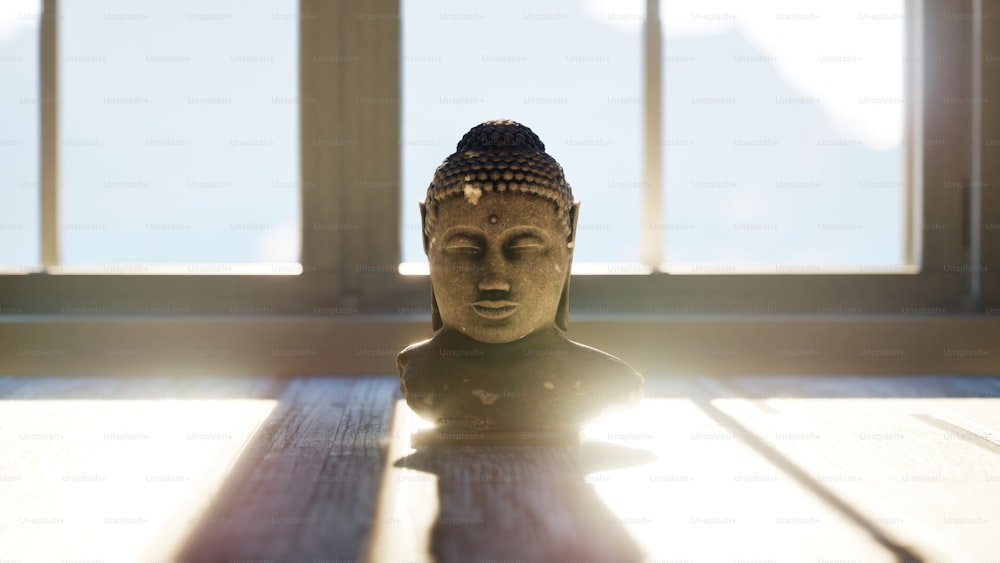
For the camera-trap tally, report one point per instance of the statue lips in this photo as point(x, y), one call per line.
point(494, 310)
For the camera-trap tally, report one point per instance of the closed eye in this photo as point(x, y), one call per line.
point(463, 244)
point(462, 249)
point(526, 244)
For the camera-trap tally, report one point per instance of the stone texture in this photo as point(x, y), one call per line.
point(499, 233)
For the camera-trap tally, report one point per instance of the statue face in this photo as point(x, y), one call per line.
point(498, 263)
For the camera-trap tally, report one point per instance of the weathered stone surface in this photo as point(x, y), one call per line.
point(541, 382)
point(499, 231)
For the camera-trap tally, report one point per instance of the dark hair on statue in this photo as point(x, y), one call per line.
point(500, 156)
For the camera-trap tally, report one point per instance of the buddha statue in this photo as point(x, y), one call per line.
point(499, 227)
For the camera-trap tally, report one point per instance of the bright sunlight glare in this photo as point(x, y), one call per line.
point(705, 482)
point(16, 15)
point(131, 478)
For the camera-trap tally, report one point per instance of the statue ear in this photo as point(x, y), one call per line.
point(562, 312)
point(436, 323)
point(423, 221)
point(574, 214)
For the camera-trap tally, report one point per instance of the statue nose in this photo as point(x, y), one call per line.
point(493, 284)
point(494, 278)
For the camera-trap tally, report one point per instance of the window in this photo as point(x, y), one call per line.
point(557, 67)
point(784, 132)
point(177, 138)
point(783, 126)
point(19, 67)
point(350, 73)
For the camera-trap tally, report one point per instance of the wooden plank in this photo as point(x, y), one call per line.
point(665, 482)
point(407, 503)
point(941, 401)
point(858, 386)
point(114, 469)
point(305, 489)
point(918, 455)
point(475, 503)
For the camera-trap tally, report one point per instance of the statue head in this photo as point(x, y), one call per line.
point(499, 226)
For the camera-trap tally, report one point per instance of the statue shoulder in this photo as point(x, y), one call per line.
point(601, 363)
point(414, 353)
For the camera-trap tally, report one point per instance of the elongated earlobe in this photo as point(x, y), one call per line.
point(423, 224)
point(562, 312)
point(436, 323)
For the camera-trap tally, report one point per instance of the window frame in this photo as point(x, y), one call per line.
point(986, 174)
point(351, 244)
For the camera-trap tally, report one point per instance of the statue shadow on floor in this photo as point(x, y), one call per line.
point(526, 503)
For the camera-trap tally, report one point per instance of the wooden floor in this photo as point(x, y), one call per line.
point(310, 470)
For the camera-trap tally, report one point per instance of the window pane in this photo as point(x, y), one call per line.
point(19, 192)
point(783, 127)
point(565, 69)
point(179, 133)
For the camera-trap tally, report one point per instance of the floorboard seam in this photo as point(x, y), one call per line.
point(964, 434)
point(903, 553)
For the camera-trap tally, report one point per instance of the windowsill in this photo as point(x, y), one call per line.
point(341, 342)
